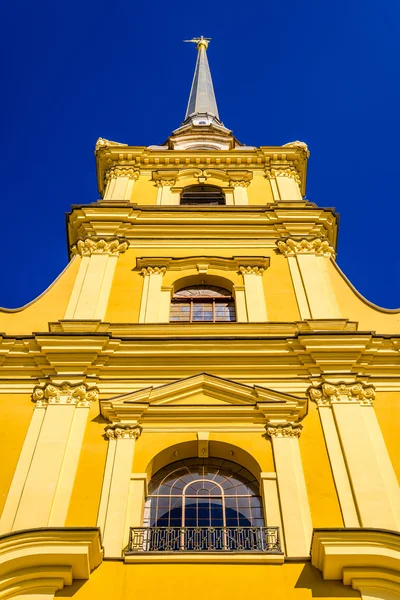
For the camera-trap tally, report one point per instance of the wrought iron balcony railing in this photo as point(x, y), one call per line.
point(204, 539)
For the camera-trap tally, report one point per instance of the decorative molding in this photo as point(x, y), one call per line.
point(299, 145)
point(286, 430)
point(115, 172)
point(318, 246)
point(289, 172)
point(251, 270)
point(151, 270)
point(123, 432)
point(239, 183)
point(327, 394)
point(203, 263)
point(164, 178)
point(103, 143)
point(89, 246)
point(80, 395)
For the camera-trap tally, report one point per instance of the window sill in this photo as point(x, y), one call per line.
point(246, 558)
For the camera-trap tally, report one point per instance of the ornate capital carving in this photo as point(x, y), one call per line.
point(288, 172)
point(162, 178)
point(103, 143)
point(123, 432)
point(286, 430)
point(327, 394)
point(90, 246)
point(115, 172)
point(81, 395)
point(251, 270)
point(151, 270)
point(239, 183)
point(316, 246)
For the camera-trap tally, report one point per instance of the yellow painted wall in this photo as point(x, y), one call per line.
point(279, 293)
point(259, 190)
point(144, 191)
point(48, 307)
point(297, 581)
point(85, 499)
point(322, 496)
point(387, 408)
point(355, 308)
point(16, 414)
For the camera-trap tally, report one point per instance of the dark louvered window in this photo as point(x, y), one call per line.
point(209, 195)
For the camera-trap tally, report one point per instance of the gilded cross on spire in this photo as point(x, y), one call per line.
point(201, 41)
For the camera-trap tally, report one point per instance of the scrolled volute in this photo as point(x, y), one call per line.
point(80, 395)
point(114, 172)
point(91, 246)
point(327, 394)
point(123, 432)
point(251, 270)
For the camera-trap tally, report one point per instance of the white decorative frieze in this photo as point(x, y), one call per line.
point(328, 393)
point(317, 246)
point(286, 430)
point(123, 432)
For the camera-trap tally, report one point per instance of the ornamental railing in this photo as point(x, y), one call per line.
point(204, 539)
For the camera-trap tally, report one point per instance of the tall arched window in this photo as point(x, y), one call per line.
point(202, 303)
point(210, 195)
point(205, 504)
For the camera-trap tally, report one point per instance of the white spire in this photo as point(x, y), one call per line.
point(202, 97)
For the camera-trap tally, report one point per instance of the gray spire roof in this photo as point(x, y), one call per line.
point(202, 97)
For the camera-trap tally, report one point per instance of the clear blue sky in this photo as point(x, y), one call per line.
point(323, 72)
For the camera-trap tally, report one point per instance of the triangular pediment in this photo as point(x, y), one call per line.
point(194, 394)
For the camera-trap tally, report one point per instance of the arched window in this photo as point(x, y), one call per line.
point(202, 303)
point(209, 195)
point(204, 504)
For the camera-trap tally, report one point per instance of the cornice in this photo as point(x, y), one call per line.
point(285, 430)
point(317, 246)
point(208, 226)
point(111, 154)
point(123, 432)
point(48, 559)
point(80, 395)
point(357, 393)
point(91, 246)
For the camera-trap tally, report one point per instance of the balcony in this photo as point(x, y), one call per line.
point(204, 539)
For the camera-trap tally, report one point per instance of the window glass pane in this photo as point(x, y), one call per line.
point(180, 311)
point(225, 311)
point(202, 311)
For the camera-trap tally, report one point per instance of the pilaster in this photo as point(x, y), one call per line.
point(309, 269)
point(285, 184)
point(254, 292)
point(371, 482)
point(41, 489)
point(296, 516)
point(165, 181)
point(116, 486)
point(91, 291)
point(119, 183)
point(239, 183)
point(153, 304)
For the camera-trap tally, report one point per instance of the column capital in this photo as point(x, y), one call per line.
point(164, 178)
point(80, 395)
point(239, 183)
point(114, 172)
point(327, 394)
point(283, 172)
point(251, 270)
point(284, 430)
point(123, 432)
point(152, 270)
point(317, 246)
point(90, 246)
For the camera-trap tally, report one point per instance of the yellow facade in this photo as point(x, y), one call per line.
point(283, 379)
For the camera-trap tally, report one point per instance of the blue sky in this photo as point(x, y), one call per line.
point(324, 73)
